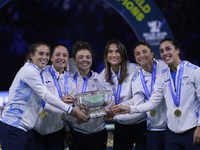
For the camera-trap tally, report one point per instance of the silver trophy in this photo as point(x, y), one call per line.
point(94, 101)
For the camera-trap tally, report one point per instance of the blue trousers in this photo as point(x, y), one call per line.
point(13, 138)
point(126, 135)
point(94, 141)
point(53, 141)
point(183, 141)
point(155, 140)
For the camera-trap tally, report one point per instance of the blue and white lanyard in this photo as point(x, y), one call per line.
point(119, 87)
point(57, 84)
point(178, 89)
point(42, 101)
point(153, 78)
point(85, 81)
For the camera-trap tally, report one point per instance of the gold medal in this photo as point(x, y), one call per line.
point(43, 114)
point(63, 116)
point(177, 113)
point(152, 113)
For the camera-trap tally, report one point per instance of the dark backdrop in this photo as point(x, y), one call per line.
point(23, 22)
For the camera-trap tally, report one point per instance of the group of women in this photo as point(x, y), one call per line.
point(172, 98)
point(41, 111)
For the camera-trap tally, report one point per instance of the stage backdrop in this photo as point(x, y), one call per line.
point(145, 18)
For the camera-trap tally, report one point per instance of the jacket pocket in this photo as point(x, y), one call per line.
point(29, 116)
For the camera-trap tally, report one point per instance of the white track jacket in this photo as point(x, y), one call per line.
point(126, 94)
point(53, 121)
point(24, 100)
point(94, 124)
point(189, 98)
point(159, 121)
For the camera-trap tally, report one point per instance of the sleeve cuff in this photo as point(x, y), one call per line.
point(69, 110)
point(131, 109)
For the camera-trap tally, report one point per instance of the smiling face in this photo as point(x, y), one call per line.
point(114, 56)
point(60, 58)
point(143, 55)
point(83, 60)
point(169, 54)
point(41, 56)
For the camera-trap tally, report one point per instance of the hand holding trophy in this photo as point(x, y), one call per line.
point(94, 102)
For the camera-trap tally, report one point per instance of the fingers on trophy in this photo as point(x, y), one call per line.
point(109, 116)
point(69, 99)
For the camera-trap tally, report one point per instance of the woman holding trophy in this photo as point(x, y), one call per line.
point(117, 76)
point(143, 84)
point(26, 95)
point(92, 134)
point(179, 85)
point(49, 129)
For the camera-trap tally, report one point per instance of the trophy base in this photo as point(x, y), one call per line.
point(96, 112)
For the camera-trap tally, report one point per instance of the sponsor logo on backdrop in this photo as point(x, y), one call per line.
point(155, 35)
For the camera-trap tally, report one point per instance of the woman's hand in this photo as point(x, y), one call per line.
point(196, 136)
point(79, 114)
point(120, 109)
point(109, 116)
point(68, 99)
point(68, 137)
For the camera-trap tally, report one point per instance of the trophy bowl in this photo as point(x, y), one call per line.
point(95, 101)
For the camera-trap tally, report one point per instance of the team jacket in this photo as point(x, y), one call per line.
point(159, 121)
point(189, 98)
point(94, 124)
point(53, 121)
point(126, 94)
point(24, 100)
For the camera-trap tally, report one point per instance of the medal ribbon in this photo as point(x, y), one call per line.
point(153, 78)
point(57, 84)
point(42, 101)
point(119, 87)
point(85, 81)
point(178, 91)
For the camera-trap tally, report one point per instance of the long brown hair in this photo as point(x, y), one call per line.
point(122, 51)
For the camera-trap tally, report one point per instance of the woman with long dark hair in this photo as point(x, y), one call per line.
point(117, 76)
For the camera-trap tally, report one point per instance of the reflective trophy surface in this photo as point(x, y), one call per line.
point(94, 102)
